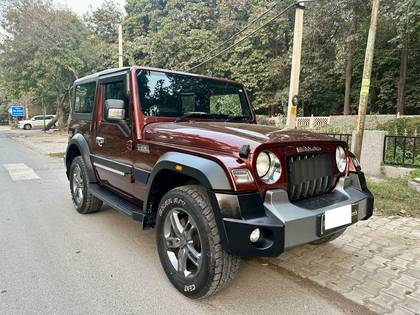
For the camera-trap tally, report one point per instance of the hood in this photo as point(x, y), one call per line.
point(227, 137)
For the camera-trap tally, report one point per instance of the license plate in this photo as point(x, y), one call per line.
point(337, 217)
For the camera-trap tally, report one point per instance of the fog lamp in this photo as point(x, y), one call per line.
point(255, 235)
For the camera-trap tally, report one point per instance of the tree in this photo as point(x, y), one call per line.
point(104, 21)
point(45, 50)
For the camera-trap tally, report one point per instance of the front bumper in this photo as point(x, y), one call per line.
point(285, 225)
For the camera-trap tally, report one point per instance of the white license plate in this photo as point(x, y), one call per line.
point(337, 217)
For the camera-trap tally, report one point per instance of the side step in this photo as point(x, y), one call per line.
point(116, 202)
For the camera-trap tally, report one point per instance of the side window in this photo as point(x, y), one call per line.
point(85, 97)
point(116, 90)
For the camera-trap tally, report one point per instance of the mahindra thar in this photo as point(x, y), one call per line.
point(183, 153)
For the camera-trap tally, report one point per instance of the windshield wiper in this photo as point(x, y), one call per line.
point(234, 117)
point(188, 115)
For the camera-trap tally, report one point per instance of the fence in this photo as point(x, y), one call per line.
point(402, 151)
point(4, 122)
point(346, 137)
point(312, 122)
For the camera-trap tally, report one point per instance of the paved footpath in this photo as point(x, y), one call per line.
point(375, 263)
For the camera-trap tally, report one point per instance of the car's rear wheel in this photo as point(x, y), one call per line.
point(328, 238)
point(27, 127)
point(189, 243)
point(83, 201)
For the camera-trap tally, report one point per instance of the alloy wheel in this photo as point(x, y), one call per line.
point(78, 185)
point(182, 243)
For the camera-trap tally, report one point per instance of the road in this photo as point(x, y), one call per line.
point(56, 261)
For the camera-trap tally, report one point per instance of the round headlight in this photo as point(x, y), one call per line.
point(268, 167)
point(341, 159)
point(263, 163)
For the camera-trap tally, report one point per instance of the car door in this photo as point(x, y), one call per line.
point(37, 121)
point(112, 152)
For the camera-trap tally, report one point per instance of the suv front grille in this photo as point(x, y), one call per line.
point(309, 175)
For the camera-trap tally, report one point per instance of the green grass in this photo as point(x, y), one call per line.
point(393, 197)
point(57, 154)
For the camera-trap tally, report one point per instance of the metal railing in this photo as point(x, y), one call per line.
point(402, 151)
point(346, 137)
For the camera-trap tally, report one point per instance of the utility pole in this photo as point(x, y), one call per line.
point(295, 72)
point(367, 71)
point(120, 46)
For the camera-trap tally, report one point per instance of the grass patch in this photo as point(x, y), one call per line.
point(393, 197)
point(57, 154)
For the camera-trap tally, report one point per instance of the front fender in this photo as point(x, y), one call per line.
point(79, 143)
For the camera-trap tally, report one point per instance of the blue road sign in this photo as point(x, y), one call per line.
point(17, 110)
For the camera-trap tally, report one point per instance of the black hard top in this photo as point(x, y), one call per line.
point(95, 76)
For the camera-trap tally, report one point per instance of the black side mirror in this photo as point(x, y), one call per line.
point(115, 110)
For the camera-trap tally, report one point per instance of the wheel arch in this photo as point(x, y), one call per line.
point(78, 146)
point(175, 169)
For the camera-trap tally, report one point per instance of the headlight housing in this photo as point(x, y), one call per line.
point(268, 167)
point(341, 159)
point(356, 163)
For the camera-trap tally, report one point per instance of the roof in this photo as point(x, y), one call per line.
point(96, 75)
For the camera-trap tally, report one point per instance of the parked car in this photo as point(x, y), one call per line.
point(183, 153)
point(35, 122)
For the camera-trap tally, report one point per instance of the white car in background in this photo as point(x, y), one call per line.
point(35, 122)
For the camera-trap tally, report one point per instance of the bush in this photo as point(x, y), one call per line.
point(401, 126)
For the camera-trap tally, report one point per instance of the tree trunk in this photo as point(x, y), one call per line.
point(60, 112)
point(403, 79)
point(51, 123)
point(348, 77)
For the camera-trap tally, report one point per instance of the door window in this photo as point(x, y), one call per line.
point(85, 98)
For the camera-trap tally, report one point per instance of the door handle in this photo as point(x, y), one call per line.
point(100, 141)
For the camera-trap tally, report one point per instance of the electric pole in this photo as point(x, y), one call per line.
point(367, 71)
point(295, 72)
point(120, 46)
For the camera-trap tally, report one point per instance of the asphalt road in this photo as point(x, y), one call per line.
point(56, 261)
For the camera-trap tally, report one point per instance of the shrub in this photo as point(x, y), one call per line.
point(401, 126)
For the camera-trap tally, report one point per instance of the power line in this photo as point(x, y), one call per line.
point(252, 33)
point(240, 31)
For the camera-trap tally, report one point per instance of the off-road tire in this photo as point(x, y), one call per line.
point(218, 266)
point(328, 238)
point(27, 127)
point(89, 202)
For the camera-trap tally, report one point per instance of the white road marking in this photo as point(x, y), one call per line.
point(20, 171)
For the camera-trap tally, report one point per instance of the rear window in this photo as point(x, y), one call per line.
point(84, 98)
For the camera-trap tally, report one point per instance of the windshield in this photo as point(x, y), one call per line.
point(176, 95)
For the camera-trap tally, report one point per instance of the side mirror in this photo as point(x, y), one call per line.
point(115, 109)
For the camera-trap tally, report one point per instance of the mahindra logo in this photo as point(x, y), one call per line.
point(308, 149)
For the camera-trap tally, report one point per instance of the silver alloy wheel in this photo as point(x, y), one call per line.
point(78, 185)
point(182, 242)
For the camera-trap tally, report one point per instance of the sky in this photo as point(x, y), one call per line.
point(82, 6)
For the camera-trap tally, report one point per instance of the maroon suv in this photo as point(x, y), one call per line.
point(183, 153)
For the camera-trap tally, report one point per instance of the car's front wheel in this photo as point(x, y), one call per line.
point(83, 201)
point(189, 243)
point(27, 127)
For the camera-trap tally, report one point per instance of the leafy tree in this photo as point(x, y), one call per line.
point(104, 21)
point(45, 50)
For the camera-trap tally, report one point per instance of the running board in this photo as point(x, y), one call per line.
point(116, 202)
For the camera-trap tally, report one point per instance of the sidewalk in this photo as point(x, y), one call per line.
point(375, 263)
point(48, 143)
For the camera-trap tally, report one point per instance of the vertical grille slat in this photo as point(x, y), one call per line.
point(309, 175)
